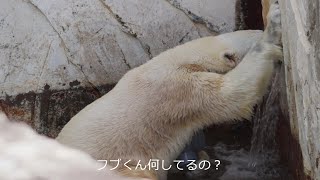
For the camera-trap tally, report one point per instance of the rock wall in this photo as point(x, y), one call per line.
point(87, 43)
point(301, 42)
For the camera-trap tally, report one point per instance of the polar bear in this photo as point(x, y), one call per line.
point(155, 108)
point(26, 155)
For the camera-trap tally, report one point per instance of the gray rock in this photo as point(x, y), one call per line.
point(301, 41)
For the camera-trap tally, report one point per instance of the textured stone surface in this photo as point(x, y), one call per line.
point(93, 42)
point(301, 41)
point(219, 17)
point(49, 111)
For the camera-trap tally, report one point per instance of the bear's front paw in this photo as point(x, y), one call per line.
point(273, 30)
point(274, 16)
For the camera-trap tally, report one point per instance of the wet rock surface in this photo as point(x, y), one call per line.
point(49, 111)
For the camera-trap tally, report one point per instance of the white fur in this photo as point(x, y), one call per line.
point(25, 155)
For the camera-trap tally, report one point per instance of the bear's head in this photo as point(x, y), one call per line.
point(232, 47)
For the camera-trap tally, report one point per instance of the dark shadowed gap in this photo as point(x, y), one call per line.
point(249, 14)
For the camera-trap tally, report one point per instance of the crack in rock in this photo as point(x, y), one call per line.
point(126, 29)
point(124, 58)
point(124, 26)
point(44, 63)
point(181, 40)
point(64, 47)
point(103, 67)
point(193, 17)
point(5, 78)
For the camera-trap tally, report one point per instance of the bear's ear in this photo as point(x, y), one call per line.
point(229, 57)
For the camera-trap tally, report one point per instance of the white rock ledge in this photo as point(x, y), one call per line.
point(95, 41)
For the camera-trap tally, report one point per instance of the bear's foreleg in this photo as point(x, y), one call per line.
point(233, 95)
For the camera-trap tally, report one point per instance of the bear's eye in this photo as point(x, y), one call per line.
point(229, 57)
